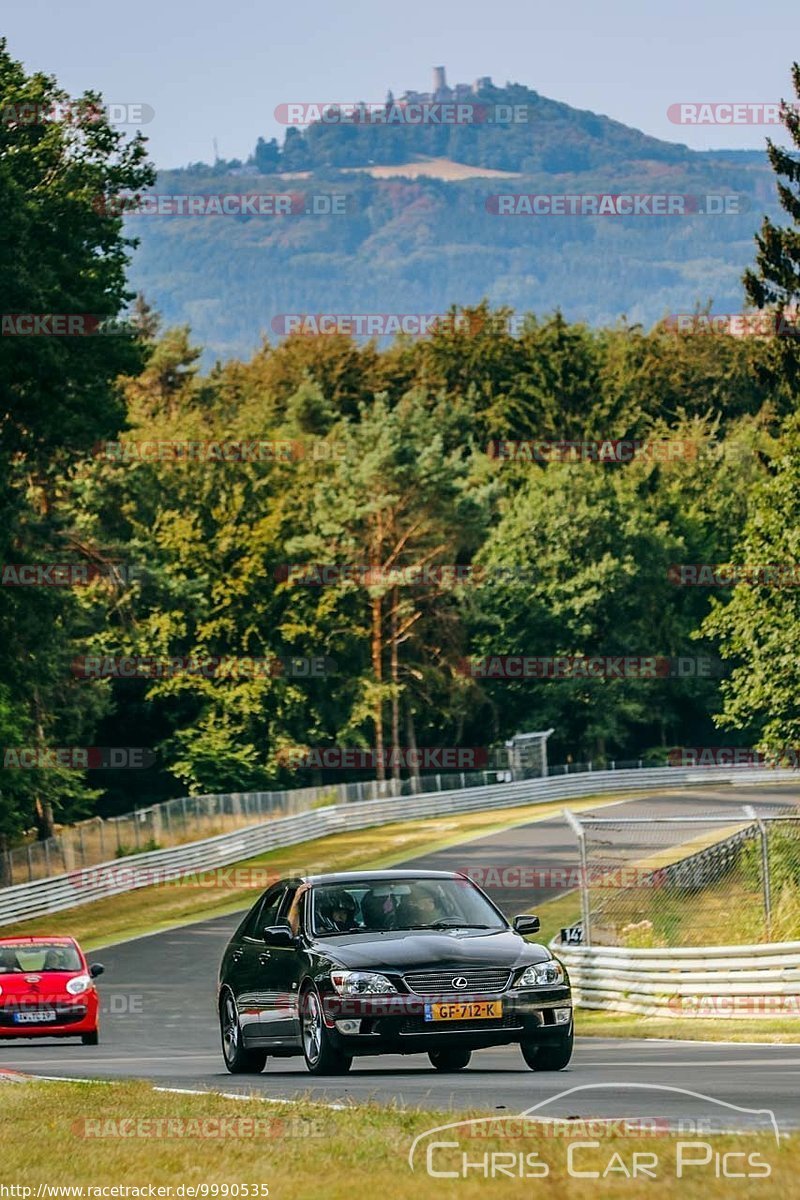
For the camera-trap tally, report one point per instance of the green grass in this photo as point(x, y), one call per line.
point(106, 1135)
point(775, 1030)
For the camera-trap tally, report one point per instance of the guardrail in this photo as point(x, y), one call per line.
point(704, 981)
point(191, 818)
point(28, 900)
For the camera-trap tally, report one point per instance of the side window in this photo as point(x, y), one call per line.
point(265, 913)
point(282, 917)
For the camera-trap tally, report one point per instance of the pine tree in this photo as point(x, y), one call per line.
point(776, 280)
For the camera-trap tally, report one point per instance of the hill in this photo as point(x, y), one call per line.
point(420, 227)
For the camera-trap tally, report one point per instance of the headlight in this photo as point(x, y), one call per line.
point(360, 983)
point(541, 974)
point(79, 984)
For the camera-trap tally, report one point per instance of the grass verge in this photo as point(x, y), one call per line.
point(126, 1135)
point(776, 1030)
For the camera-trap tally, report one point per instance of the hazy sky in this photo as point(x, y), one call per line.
point(218, 68)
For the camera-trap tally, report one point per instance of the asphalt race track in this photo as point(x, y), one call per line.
point(159, 1017)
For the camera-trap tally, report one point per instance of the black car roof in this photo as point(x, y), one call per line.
point(371, 876)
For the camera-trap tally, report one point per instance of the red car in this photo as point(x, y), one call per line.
point(47, 989)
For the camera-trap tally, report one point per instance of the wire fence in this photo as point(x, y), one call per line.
point(191, 818)
point(704, 879)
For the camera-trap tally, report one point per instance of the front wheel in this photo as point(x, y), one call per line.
point(92, 1038)
point(548, 1058)
point(450, 1059)
point(238, 1059)
point(322, 1057)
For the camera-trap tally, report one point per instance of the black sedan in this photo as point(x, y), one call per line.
point(388, 962)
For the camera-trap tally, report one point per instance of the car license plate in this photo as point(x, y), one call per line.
point(38, 1016)
point(464, 1010)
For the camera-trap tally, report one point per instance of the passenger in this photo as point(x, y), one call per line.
point(420, 907)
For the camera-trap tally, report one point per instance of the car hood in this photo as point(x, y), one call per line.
point(400, 951)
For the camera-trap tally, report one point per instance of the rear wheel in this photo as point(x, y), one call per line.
point(92, 1038)
point(451, 1059)
point(548, 1058)
point(322, 1057)
point(238, 1059)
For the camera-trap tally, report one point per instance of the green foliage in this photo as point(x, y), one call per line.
point(389, 471)
point(61, 253)
point(125, 851)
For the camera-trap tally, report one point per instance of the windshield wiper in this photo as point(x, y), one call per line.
point(452, 923)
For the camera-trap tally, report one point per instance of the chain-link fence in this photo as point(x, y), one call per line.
point(728, 878)
point(191, 818)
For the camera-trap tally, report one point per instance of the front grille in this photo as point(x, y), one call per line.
point(479, 979)
point(416, 1025)
point(65, 1015)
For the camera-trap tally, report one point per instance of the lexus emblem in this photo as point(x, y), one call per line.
point(459, 982)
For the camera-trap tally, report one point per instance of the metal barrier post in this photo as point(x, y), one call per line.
point(751, 813)
point(577, 829)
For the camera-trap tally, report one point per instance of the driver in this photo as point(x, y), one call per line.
point(8, 961)
point(337, 912)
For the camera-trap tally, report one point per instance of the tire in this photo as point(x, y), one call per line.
point(238, 1059)
point(91, 1039)
point(322, 1057)
point(548, 1058)
point(451, 1059)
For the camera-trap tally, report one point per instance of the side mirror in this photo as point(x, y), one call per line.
point(96, 969)
point(525, 923)
point(278, 935)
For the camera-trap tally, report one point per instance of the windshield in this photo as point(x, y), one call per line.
point(378, 905)
point(16, 959)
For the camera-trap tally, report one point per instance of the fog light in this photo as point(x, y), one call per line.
point(562, 1015)
point(348, 1026)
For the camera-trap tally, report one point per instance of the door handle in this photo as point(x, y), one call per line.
point(264, 957)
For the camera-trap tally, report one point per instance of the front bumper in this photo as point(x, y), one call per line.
point(397, 1023)
point(72, 1019)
